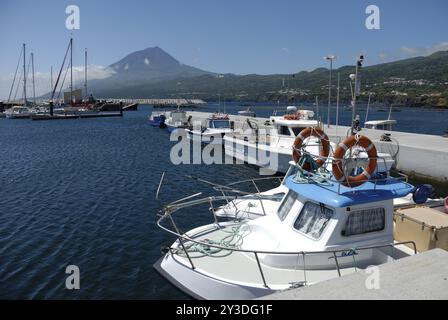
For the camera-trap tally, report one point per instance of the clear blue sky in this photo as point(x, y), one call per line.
point(238, 36)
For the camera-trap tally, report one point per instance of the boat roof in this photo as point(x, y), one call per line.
point(377, 122)
point(293, 123)
point(337, 195)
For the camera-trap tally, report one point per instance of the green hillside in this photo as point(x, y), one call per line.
point(421, 81)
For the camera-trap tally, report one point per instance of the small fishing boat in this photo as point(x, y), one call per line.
point(157, 119)
point(385, 125)
point(177, 119)
point(277, 141)
point(247, 113)
point(217, 125)
point(325, 227)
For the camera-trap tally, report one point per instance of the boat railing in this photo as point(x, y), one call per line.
point(232, 191)
point(330, 181)
point(183, 238)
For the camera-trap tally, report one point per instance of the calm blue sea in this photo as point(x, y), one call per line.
point(82, 192)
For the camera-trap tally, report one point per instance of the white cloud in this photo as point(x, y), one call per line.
point(424, 51)
point(409, 52)
point(147, 61)
point(42, 80)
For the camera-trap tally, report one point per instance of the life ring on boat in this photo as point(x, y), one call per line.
point(306, 133)
point(349, 142)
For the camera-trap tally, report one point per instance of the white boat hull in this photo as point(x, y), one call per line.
point(201, 286)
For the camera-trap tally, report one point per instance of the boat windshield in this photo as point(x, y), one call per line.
point(286, 205)
point(220, 124)
point(313, 219)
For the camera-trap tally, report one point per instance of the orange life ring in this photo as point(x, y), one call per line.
point(306, 133)
point(349, 142)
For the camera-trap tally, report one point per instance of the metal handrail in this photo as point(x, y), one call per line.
point(170, 209)
point(182, 237)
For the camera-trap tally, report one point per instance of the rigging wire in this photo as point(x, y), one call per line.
point(15, 74)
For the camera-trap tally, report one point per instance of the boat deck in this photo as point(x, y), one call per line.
point(242, 268)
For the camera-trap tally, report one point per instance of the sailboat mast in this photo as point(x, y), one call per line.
point(32, 69)
point(71, 70)
point(85, 72)
point(24, 76)
point(51, 78)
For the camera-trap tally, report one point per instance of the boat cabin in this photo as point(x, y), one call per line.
point(380, 124)
point(315, 217)
point(291, 124)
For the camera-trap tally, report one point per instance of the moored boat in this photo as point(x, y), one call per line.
point(217, 126)
point(177, 119)
point(157, 119)
point(322, 229)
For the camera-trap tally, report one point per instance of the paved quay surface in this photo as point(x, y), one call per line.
point(420, 277)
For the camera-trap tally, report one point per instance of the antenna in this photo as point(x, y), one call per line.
point(390, 111)
point(337, 105)
point(368, 107)
point(329, 58)
point(357, 89)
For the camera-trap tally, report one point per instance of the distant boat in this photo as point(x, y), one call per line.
point(18, 112)
point(177, 119)
point(380, 124)
point(217, 126)
point(247, 113)
point(157, 119)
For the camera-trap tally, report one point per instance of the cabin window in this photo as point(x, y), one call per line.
point(284, 130)
point(364, 221)
point(297, 131)
point(313, 219)
point(286, 205)
point(221, 124)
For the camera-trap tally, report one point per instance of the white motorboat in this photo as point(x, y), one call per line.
point(385, 125)
point(257, 147)
point(18, 112)
point(177, 119)
point(217, 125)
point(247, 113)
point(322, 229)
point(272, 148)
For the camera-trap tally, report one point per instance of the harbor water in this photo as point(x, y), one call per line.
point(82, 192)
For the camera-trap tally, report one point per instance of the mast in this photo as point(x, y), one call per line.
point(24, 77)
point(85, 72)
point(71, 70)
point(32, 69)
point(51, 78)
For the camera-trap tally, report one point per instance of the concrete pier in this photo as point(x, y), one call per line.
point(421, 155)
point(420, 277)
